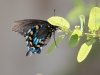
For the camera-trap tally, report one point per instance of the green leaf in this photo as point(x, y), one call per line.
point(84, 50)
point(75, 38)
point(53, 46)
point(59, 21)
point(73, 42)
point(82, 20)
point(94, 19)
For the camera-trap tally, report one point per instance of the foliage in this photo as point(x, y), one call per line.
point(77, 33)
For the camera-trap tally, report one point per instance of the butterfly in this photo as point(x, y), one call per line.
point(37, 33)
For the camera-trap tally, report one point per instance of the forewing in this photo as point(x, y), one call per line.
point(42, 33)
point(22, 26)
point(45, 33)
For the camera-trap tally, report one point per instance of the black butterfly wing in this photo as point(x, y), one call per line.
point(42, 32)
point(22, 26)
point(45, 33)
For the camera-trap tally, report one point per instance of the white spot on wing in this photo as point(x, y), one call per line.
point(40, 47)
point(26, 37)
point(35, 52)
point(29, 30)
point(28, 48)
point(27, 42)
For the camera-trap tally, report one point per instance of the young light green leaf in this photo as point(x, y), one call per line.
point(59, 21)
point(84, 50)
point(53, 46)
point(94, 19)
point(75, 38)
point(82, 20)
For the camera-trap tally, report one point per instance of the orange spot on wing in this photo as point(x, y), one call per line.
point(37, 27)
point(38, 45)
point(30, 38)
point(42, 42)
point(31, 43)
point(31, 32)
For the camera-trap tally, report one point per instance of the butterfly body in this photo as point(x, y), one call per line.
point(37, 33)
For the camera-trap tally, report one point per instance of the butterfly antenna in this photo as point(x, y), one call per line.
point(54, 39)
point(54, 12)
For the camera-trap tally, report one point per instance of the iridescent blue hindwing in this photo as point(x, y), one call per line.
point(37, 40)
point(33, 42)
